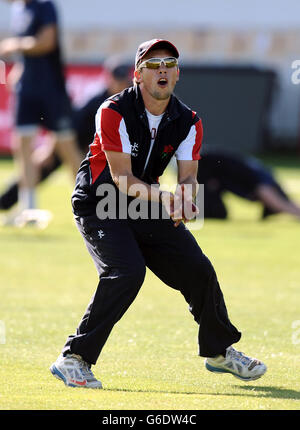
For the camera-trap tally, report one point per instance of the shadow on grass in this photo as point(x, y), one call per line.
point(273, 392)
point(254, 391)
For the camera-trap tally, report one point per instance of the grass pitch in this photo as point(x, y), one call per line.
point(150, 361)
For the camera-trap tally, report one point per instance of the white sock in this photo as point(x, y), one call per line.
point(27, 198)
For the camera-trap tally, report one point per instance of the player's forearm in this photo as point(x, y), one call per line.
point(273, 200)
point(191, 184)
point(35, 46)
point(187, 175)
point(27, 45)
point(134, 187)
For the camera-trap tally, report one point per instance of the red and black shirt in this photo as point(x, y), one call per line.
point(121, 125)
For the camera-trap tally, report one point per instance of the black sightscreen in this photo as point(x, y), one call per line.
point(233, 103)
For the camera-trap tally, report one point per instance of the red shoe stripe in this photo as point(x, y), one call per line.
point(78, 382)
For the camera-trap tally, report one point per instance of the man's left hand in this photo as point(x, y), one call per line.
point(184, 208)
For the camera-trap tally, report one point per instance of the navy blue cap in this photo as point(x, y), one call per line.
point(118, 68)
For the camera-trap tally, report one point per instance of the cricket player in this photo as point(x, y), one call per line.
point(137, 133)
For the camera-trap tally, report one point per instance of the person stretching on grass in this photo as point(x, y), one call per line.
point(137, 133)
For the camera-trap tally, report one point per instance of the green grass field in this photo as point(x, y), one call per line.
point(150, 361)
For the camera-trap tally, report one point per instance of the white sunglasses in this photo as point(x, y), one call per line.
point(155, 63)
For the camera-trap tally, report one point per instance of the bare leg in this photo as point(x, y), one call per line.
point(30, 163)
point(273, 200)
point(28, 170)
point(43, 155)
point(67, 150)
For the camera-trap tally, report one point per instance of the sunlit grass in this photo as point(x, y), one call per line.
point(150, 360)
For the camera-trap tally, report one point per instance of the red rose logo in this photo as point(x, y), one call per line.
point(167, 150)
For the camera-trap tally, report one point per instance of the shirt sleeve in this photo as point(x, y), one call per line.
point(189, 148)
point(48, 14)
point(111, 129)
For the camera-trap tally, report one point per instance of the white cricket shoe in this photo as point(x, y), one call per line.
point(74, 372)
point(238, 364)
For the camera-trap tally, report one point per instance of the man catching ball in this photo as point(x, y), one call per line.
point(137, 133)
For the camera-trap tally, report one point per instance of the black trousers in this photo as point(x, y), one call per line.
point(121, 250)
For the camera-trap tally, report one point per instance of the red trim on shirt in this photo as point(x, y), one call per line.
point(97, 159)
point(198, 140)
point(109, 128)
point(109, 140)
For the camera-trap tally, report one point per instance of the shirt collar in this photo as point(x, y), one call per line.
point(171, 112)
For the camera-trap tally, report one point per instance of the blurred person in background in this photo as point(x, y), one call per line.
point(41, 97)
point(246, 177)
point(118, 76)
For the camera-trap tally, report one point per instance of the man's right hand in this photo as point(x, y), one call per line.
point(168, 200)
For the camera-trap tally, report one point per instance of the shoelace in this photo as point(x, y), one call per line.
point(240, 357)
point(85, 368)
